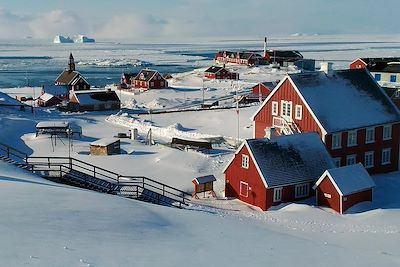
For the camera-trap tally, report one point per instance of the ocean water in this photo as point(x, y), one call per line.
point(36, 63)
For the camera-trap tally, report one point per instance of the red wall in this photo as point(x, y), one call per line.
point(377, 147)
point(357, 64)
point(260, 87)
point(326, 186)
point(285, 92)
point(357, 198)
point(156, 80)
point(235, 173)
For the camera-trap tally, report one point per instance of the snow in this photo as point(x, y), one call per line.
point(349, 179)
point(49, 224)
point(104, 142)
point(52, 124)
point(46, 96)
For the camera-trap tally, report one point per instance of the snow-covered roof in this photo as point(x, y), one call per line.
point(290, 159)
point(91, 97)
point(348, 179)
point(56, 89)
point(204, 179)
point(67, 77)
point(46, 97)
point(104, 142)
point(345, 99)
point(52, 124)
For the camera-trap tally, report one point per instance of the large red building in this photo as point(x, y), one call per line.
point(266, 172)
point(149, 79)
point(353, 116)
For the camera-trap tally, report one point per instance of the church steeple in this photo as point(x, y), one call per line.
point(71, 65)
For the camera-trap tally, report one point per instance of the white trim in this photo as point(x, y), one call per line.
point(383, 132)
point(322, 177)
point(276, 189)
point(300, 108)
point(373, 159)
point(275, 104)
point(340, 141)
point(373, 130)
point(352, 156)
point(252, 158)
point(390, 154)
point(240, 189)
point(245, 161)
point(348, 138)
point(305, 186)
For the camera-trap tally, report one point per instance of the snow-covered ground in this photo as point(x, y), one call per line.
point(47, 224)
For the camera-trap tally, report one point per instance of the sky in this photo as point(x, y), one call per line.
point(179, 19)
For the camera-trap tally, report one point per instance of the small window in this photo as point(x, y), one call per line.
point(397, 94)
point(387, 132)
point(245, 161)
point(299, 112)
point(352, 138)
point(301, 190)
point(278, 194)
point(162, 83)
point(393, 78)
point(274, 108)
point(283, 108)
point(377, 76)
point(337, 162)
point(386, 156)
point(336, 140)
point(351, 159)
point(244, 189)
point(327, 195)
point(369, 135)
point(369, 159)
point(151, 83)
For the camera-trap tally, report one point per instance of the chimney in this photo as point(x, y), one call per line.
point(265, 47)
point(270, 133)
point(327, 67)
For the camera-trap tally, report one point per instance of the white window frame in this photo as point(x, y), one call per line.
point(337, 162)
point(387, 132)
point(301, 190)
point(278, 194)
point(286, 109)
point(386, 155)
point(327, 195)
point(351, 138)
point(245, 161)
point(274, 107)
point(241, 187)
point(351, 159)
point(372, 139)
point(283, 108)
point(151, 83)
point(369, 159)
point(299, 112)
point(339, 141)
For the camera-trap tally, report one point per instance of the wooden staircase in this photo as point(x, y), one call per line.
point(77, 173)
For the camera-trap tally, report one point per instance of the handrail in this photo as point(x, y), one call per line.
point(12, 151)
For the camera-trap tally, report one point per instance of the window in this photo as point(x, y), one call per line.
point(245, 161)
point(161, 83)
point(351, 159)
point(286, 108)
point(397, 94)
point(327, 195)
point(244, 189)
point(337, 162)
point(377, 76)
point(386, 156)
point(352, 138)
point(151, 83)
point(369, 159)
point(336, 140)
point(387, 132)
point(369, 135)
point(393, 78)
point(299, 112)
point(301, 190)
point(278, 194)
point(274, 108)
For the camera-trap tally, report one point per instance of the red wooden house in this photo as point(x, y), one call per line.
point(149, 79)
point(341, 188)
point(241, 58)
point(48, 100)
point(266, 172)
point(216, 72)
point(260, 91)
point(353, 116)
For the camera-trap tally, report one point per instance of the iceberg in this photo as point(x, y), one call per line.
point(61, 40)
point(82, 39)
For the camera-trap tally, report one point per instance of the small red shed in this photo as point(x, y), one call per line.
point(266, 172)
point(48, 100)
point(341, 188)
point(204, 184)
